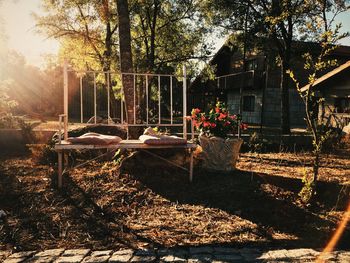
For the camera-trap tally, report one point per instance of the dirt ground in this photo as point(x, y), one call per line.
point(154, 205)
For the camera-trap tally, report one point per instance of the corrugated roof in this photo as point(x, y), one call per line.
point(328, 75)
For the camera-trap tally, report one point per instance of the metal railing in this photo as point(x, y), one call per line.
point(135, 76)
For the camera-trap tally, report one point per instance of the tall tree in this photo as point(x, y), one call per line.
point(166, 33)
point(126, 65)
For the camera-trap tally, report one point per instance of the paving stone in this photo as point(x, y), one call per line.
point(14, 260)
point(76, 252)
point(50, 252)
point(144, 252)
point(168, 258)
point(46, 256)
point(298, 253)
point(201, 257)
point(117, 257)
point(230, 258)
point(172, 258)
point(19, 257)
point(327, 256)
point(98, 256)
point(201, 250)
point(143, 259)
point(276, 254)
point(124, 252)
point(344, 256)
point(305, 259)
point(72, 256)
point(22, 254)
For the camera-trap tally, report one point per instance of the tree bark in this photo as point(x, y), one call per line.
point(126, 64)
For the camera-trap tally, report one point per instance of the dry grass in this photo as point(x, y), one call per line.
point(148, 204)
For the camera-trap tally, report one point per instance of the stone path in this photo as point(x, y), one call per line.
point(192, 254)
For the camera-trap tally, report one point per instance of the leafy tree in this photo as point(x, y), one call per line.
point(166, 33)
point(327, 36)
point(88, 24)
point(86, 30)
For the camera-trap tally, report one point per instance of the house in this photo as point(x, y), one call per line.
point(251, 86)
point(334, 87)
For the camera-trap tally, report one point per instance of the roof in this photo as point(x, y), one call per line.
point(328, 75)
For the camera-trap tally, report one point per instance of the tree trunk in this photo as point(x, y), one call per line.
point(126, 65)
point(284, 85)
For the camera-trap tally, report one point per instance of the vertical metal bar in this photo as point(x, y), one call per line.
point(81, 101)
point(134, 98)
point(146, 99)
point(121, 103)
point(171, 99)
point(108, 96)
point(159, 115)
point(60, 129)
point(184, 102)
point(65, 98)
point(225, 82)
point(95, 99)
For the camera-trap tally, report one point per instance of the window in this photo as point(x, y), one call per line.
point(249, 103)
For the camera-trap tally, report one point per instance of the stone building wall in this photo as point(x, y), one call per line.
point(233, 99)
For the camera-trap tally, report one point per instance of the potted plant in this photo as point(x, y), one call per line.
point(217, 137)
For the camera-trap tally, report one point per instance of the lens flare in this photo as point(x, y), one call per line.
point(336, 236)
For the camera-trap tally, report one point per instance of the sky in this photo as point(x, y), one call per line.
point(19, 27)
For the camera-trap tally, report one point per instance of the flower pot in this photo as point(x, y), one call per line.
point(220, 154)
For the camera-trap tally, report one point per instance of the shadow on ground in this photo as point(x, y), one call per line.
point(149, 204)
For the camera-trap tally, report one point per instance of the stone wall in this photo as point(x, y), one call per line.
point(233, 99)
point(272, 107)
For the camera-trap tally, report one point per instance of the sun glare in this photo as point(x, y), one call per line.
point(19, 29)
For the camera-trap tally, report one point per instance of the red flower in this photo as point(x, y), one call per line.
point(222, 116)
point(203, 118)
point(213, 125)
point(206, 124)
point(227, 123)
point(244, 126)
point(195, 111)
point(233, 117)
point(217, 110)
